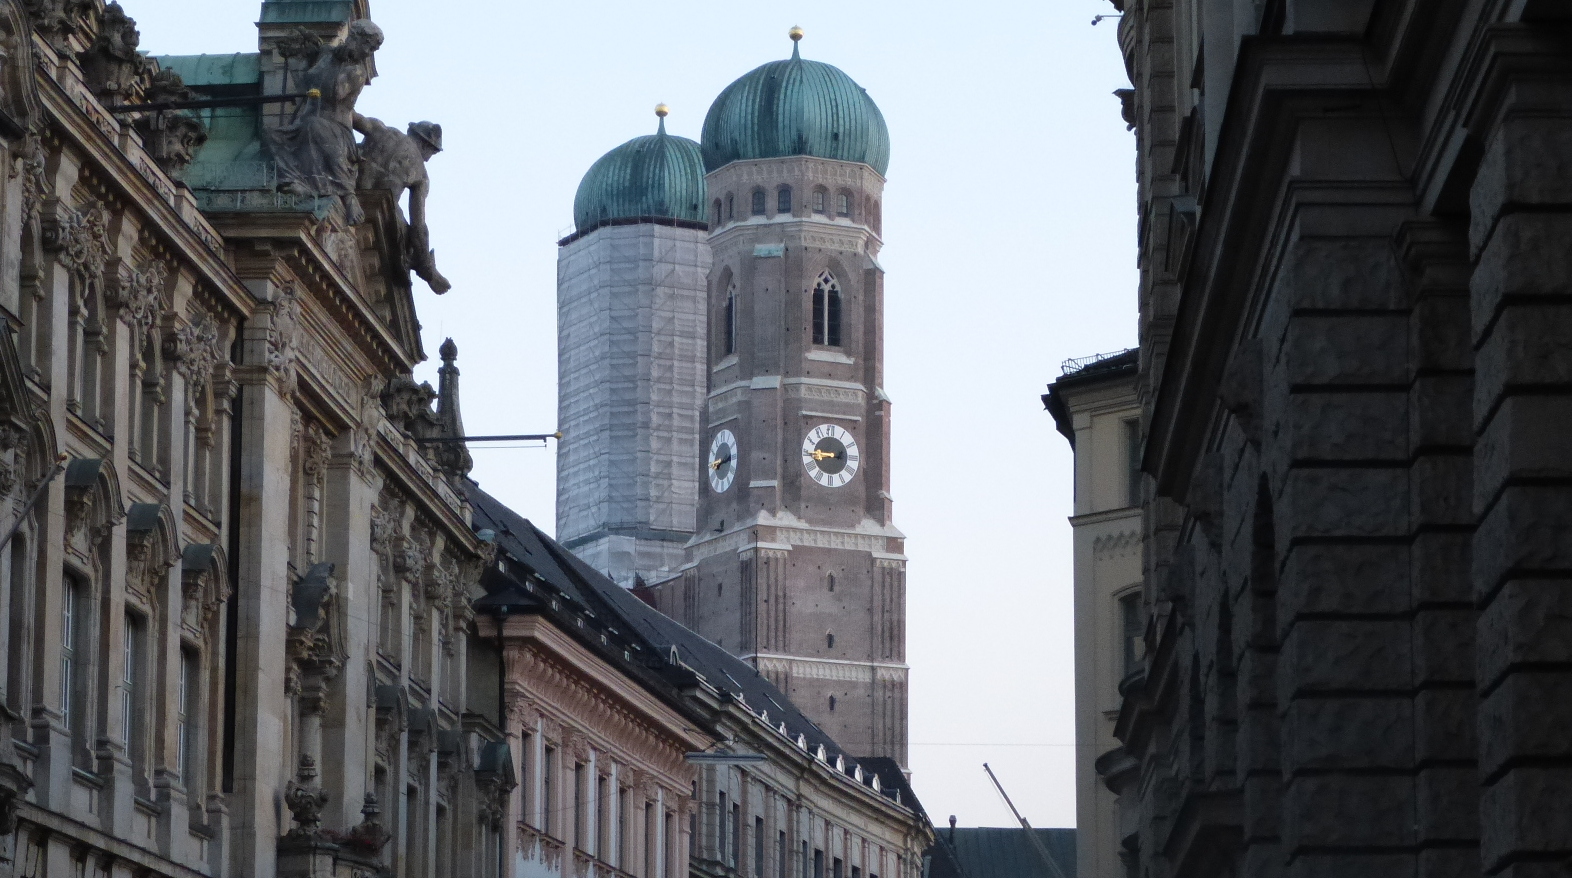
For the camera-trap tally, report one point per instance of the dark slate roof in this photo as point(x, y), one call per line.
point(1083, 371)
point(989, 852)
point(655, 638)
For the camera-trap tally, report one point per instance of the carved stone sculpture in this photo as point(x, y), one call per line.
point(113, 68)
point(305, 800)
point(316, 152)
point(171, 136)
point(395, 161)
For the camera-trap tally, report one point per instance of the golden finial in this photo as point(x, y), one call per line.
point(662, 110)
point(796, 34)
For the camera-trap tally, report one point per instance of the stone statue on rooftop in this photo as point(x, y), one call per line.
point(316, 152)
point(393, 161)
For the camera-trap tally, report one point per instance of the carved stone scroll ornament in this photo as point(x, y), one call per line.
point(305, 799)
point(80, 237)
point(58, 20)
point(395, 161)
point(196, 347)
point(316, 152)
point(283, 345)
point(113, 68)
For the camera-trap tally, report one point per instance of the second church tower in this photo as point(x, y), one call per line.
point(796, 565)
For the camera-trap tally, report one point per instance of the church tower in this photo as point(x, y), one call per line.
point(796, 565)
point(631, 284)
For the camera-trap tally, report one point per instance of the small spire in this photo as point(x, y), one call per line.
point(453, 457)
point(796, 38)
point(662, 111)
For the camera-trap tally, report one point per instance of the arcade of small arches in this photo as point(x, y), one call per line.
point(821, 201)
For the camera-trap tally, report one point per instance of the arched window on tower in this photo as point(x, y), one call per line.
point(819, 198)
point(758, 202)
point(843, 204)
point(827, 311)
point(729, 322)
point(783, 200)
point(731, 206)
point(715, 213)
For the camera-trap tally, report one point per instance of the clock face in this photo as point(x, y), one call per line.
point(723, 461)
point(830, 455)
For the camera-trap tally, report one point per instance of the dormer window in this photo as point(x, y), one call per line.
point(827, 311)
point(758, 202)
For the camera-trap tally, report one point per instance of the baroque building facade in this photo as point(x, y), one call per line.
point(791, 559)
point(1094, 407)
point(237, 591)
point(1354, 296)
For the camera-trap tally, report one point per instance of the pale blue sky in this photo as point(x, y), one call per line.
point(1009, 243)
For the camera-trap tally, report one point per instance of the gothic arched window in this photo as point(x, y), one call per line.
point(783, 200)
point(731, 206)
point(758, 202)
point(827, 311)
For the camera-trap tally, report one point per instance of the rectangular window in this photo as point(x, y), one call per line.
point(548, 765)
point(837, 868)
point(649, 840)
point(186, 706)
point(131, 694)
point(758, 847)
point(844, 205)
point(783, 200)
point(1132, 621)
point(580, 814)
point(807, 864)
point(526, 762)
point(818, 314)
point(818, 202)
point(736, 833)
point(68, 626)
point(1132, 452)
point(603, 817)
point(624, 845)
point(720, 828)
point(856, 872)
point(832, 317)
point(818, 863)
point(780, 854)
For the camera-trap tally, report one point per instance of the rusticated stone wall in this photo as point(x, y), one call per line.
point(1356, 294)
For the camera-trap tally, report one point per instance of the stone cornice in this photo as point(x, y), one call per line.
point(202, 254)
point(552, 673)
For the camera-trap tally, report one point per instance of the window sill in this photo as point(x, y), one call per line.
point(726, 363)
point(831, 357)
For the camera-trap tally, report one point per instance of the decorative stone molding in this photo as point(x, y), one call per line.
point(138, 296)
point(283, 330)
point(313, 646)
point(80, 238)
point(305, 800)
point(196, 347)
point(1119, 545)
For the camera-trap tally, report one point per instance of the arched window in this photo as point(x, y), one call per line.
point(829, 641)
point(758, 202)
point(827, 311)
point(715, 213)
point(783, 200)
point(729, 322)
point(731, 207)
point(843, 204)
point(818, 201)
point(832, 703)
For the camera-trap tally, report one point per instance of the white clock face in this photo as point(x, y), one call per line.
point(830, 455)
point(723, 461)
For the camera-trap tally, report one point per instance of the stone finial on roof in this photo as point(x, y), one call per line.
point(451, 456)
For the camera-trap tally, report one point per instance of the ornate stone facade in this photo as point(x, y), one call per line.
point(237, 598)
point(1353, 380)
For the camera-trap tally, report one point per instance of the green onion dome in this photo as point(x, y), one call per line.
point(795, 107)
point(656, 176)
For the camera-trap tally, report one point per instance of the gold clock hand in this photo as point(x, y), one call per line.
point(824, 455)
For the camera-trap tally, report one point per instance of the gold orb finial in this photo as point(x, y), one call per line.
point(796, 34)
point(662, 110)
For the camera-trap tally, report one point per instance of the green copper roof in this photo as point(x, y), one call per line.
point(306, 11)
point(653, 176)
point(243, 68)
point(795, 107)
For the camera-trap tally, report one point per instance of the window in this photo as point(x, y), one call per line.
point(729, 322)
point(818, 864)
point(624, 844)
point(780, 854)
point(832, 704)
point(1132, 452)
point(649, 839)
point(186, 712)
point(1133, 623)
point(720, 828)
point(807, 864)
point(580, 817)
point(731, 207)
point(843, 205)
point(758, 202)
point(827, 311)
point(603, 817)
point(829, 641)
point(856, 872)
point(758, 847)
point(715, 212)
point(818, 201)
point(548, 765)
point(736, 833)
point(70, 703)
point(830, 581)
point(18, 670)
point(783, 200)
point(837, 868)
